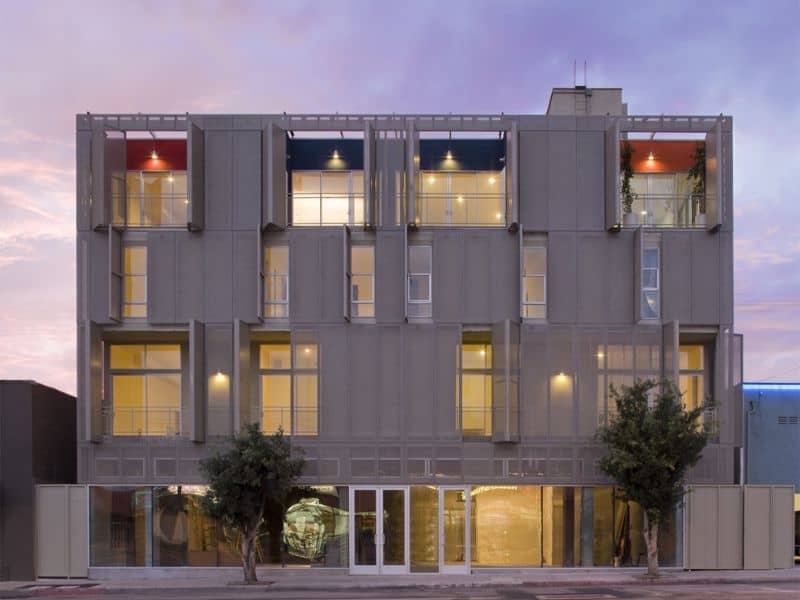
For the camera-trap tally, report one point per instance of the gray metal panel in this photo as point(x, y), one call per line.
point(99, 201)
point(219, 353)
point(389, 276)
point(83, 191)
point(533, 180)
point(726, 165)
point(590, 353)
point(447, 277)
point(364, 372)
point(505, 381)
point(332, 276)
point(447, 341)
point(98, 276)
point(412, 168)
point(246, 304)
point(334, 392)
point(218, 267)
point(757, 527)
point(619, 273)
point(590, 181)
point(562, 162)
point(190, 280)
point(161, 277)
point(726, 278)
point(705, 278)
point(504, 274)
point(197, 382)
point(714, 185)
point(219, 179)
point(701, 528)
point(391, 171)
point(370, 175)
point(638, 256)
point(475, 297)
point(390, 398)
point(562, 277)
point(92, 393)
point(305, 302)
point(562, 383)
point(676, 267)
point(275, 212)
point(115, 273)
point(195, 157)
point(512, 174)
point(114, 175)
point(729, 529)
point(419, 381)
point(241, 378)
point(247, 178)
point(612, 162)
point(670, 351)
point(347, 273)
point(592, 278)
point(534, 405)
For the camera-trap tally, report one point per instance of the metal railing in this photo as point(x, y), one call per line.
point(665, 210)
point(144, 421)
point(151, 210)
point(293, 421)
point(470, 210)
point(324, 208)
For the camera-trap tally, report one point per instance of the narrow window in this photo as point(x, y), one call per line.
point(362, 281)
point(692, 379)
point(134, 297)
point(534, 278)
point(419, 281)
point(276, 282)
point(475, 384)
point(145, 389)
point(289, 388)
point(651, 304)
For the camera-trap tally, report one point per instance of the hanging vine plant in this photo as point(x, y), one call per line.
point(697, 175)
point(628, 195)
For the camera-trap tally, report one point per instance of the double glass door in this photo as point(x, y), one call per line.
point(379, 530)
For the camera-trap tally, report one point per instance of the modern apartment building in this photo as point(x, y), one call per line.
point(433, 307)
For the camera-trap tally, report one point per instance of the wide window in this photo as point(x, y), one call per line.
point(651, 297)
point(362, 281)
point(475, 385)
point(276, 282)
point(134, 298)
point(145, 389)
point(419, 281)
point(327, 197)
point(289, 388)
point(156, 199)
point(469, 198)
point(534, 279)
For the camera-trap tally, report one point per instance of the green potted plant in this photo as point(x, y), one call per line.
point(697, 175)
point(628, 195)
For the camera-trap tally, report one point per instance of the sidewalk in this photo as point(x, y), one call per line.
point(308, 579)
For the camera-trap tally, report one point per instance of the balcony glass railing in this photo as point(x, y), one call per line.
point(324, 208)
point(297, 421)
point(476, 421)
point(468, 210)
point(144, 421)
point(665, 210)
point(155, 210)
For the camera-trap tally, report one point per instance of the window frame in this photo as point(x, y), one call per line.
point(269, 303)
point(111, 372)
point(353, 274)
point(428, 274)
point(485, 371)
point(126, 275)
point(353, 196)
point(293, 372)
point(539, 243)
point(172, 196)
point(449, 196)
point(644, 289)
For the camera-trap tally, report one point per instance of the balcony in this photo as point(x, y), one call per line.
point(462, 199)
point(327, 208)
point(665, 210)
point(152, 199)
point(124, 421)
point(297, 421)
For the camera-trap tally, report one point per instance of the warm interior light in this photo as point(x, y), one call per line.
point(449, 155)
point(431, 179)
point(460, 199)
point(644, 212)
point(170, 178)
point(154, 155)
point(307, 350)
point(335, 155)
point(483, 352)
point(186, 201)
point(219, 377)
point(499, 216)
point(491, 180)
point(600, 355)
point(651, 156)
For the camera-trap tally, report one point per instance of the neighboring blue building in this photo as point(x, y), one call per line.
point(772, 430)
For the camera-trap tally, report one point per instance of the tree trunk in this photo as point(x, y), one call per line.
point(249, 555)
point(651, 541)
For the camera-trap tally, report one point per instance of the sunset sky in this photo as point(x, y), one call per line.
point(62, 58)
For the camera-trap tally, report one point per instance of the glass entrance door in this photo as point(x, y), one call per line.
point(454, 537)
point(379, 530)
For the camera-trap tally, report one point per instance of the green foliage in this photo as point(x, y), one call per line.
point(254, 473)
point(628, 195)
point(697, 174)
point(651, 448)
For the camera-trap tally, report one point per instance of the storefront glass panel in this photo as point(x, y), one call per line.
point(424, 529)
point(118, 526)
point(506, 526)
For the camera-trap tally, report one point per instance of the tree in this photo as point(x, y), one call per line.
point(650, 448)
point(254, 473)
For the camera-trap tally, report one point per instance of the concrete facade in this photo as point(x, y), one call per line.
point(37, 446)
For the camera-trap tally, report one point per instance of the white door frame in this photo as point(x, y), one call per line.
point(467, 566)
point(380, 538)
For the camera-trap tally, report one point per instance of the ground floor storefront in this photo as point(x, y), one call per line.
point(367, 529)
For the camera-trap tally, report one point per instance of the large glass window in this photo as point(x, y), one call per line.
point(276, 282)
point(134, 296)
point(327, 197)
point(475, 385)
point(534, 279)
point(419, 281)
point(651, 284)
point(117, 526)
point(145, 389)
point(362, 281)
point(156, 199)
point(182, 534)
point(692, 381)
point(506, 526)
point(470, 198)
point(289, 388)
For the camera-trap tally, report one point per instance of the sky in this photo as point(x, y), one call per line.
point(63, 58)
